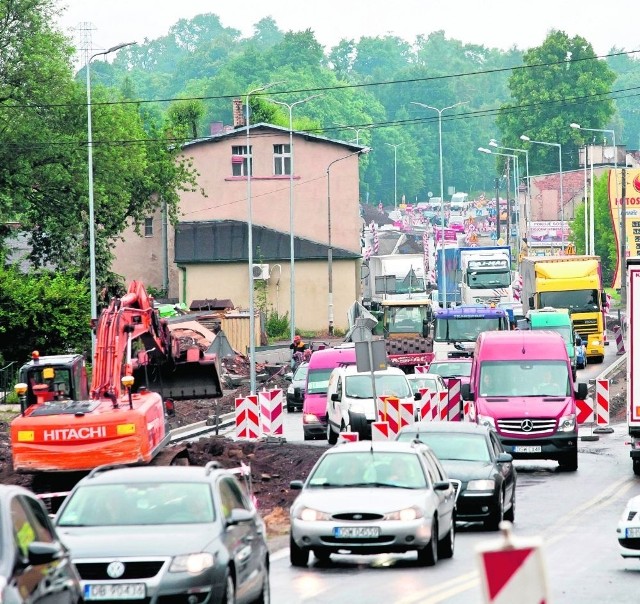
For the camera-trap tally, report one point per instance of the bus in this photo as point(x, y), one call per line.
point(456, 329)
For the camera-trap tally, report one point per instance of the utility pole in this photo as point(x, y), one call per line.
point(623, 238)
point(497, 209)
point(508, 204)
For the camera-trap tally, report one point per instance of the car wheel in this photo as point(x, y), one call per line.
point(447, 546)
point(497, 515)
point(358, 424)
point(298, 556)
point(323, 556)
point(428, 555)
point(569, 462)
point(290, 408)
point(229, 595)
point(510, 514)
point(332, 437)
point(265, 594)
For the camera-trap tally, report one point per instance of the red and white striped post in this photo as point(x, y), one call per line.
point(429, 405)
point(619, 340)
point(247, 417)
point(271, 412)
point(380, 431)
point(454, 408)
point(602, 408)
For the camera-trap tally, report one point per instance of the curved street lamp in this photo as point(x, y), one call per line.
point(92, 226)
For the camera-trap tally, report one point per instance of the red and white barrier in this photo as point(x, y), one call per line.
point(348, 437)
point(396, 413)
point(443, 405)
point(271, 412)
point(619, 340)
point(247, 417)
point(380, 431)
point(454, 406)
point(429, 405)
point(421, 369)
point(602, 402)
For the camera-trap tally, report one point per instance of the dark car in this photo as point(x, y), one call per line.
point(166, 534)
point(34, 566)
point(474, 455)
point(295, 391)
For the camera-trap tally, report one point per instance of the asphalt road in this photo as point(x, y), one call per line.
point(574, 513)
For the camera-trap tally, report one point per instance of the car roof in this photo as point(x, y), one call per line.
point(456, 360)
point(136, 474)
point(446, 426)
point(375, 446)
point(417, 376)
point(353, 370)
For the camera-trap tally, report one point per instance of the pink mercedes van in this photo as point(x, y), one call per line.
point(314, 407)
point(522, 387)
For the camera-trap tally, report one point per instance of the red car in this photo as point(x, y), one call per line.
point(452, 368)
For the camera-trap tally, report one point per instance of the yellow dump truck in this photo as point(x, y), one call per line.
point(571, 282)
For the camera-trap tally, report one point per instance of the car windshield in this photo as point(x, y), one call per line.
point(318, 380)
point(451, 446)
point(580, 300)
point(489, 279)
point(138, 504)
point(419, 383)
point(462, 329)
point(359, 386)
point(451, 369)
point(369, 469)
point(533, 378)
point(301, 373)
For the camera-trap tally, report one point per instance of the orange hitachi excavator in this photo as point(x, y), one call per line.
point(139, 368)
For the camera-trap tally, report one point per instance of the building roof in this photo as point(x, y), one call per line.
point(222, 241)
point(254, 128)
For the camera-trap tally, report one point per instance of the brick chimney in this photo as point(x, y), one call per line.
point(238, 115)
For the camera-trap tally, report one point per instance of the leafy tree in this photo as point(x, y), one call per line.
point(563, 82)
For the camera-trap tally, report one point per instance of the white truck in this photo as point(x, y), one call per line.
point(393, 277)
point(485, 275)
point(633, 358)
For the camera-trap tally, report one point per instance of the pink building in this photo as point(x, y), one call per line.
point(206, 254)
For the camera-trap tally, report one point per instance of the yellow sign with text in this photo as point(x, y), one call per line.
point(632, 213)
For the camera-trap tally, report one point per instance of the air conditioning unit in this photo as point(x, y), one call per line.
point(261, 271)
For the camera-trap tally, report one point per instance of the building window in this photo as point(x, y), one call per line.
point(148, 227)
point(281, 159)
point(239, 159)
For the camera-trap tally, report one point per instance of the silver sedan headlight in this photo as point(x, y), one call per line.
point(487, 420)
point(192, 563)
point(311, 515)
point(481, 485)
point(405, 515)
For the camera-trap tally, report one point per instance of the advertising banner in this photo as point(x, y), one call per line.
point(632, 214)
point(548, 233)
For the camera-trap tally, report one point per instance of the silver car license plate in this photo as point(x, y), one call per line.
point(114, 591)
point(356, 532)
point(527, 449)
point(632, 532)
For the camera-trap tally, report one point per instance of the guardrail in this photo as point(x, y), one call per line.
point(613, 368)
point(207, 426)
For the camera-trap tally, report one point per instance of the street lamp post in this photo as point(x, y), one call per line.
point(440, 112)
point(525, 138)
point(356, 130)
point(623, 243)
point(395, 172)
point(92, 227)
point(290, 107)
point(252, 318)
point(330, 249)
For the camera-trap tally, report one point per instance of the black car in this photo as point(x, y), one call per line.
point(474, 455)
point(166, 534)
point(34, 565)
point(295, 391)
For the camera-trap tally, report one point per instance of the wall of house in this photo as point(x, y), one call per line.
point(312, 302)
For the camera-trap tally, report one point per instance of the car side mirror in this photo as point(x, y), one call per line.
point(530, 301)
point(335, 397)
point(238, 516)
point(417, 397)
point(296, 485)
point(442, 485)
point(40, 552)
point(288, 377)
point(425, 328)
point(504, 458)
point(465, 392)
point(603, 297)
point(581, 392)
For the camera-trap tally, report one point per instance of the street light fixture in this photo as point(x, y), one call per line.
point(395, 172)
point(92, 227)
point(525, 138)
point(330, 249)
point(290, 107)
point(440, 112)
point(356, 130)
point(252, 318)
point(527, 214)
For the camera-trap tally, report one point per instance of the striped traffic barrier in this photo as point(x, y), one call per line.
point(380, 431)
point(271, 412)
point(454, 406)
point(397, 413)
point(348, 437)
point(421, 369)
point(443, 405)
point(247, 417)
point(602, 408)
point(428, 405)
point(619, 340)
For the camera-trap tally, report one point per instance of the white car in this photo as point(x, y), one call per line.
point(629, 529)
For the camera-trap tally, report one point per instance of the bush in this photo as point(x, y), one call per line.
point(277, 325)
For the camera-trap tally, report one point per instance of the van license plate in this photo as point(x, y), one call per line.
point(527, 449)
point(356, 532)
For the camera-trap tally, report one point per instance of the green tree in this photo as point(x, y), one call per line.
point(563, 82)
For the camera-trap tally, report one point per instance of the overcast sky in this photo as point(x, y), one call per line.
point(494, 23)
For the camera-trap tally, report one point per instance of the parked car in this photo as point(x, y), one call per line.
point(374, 497)
point(35, 566)
point(628, 529)
point(165, 534)
point(452, 368)
point(430, 381)
point(474, 455)
point(295, 391)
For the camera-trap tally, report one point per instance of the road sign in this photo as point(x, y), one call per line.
point(493, 236)
point(501, 241)
point(585, 410)
point(512, 570)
